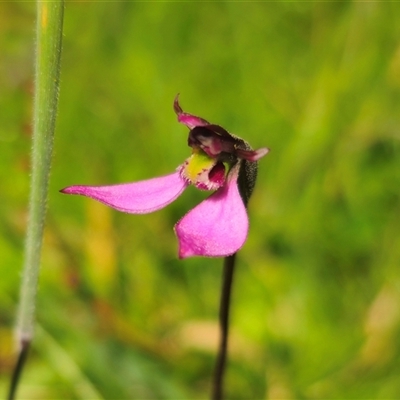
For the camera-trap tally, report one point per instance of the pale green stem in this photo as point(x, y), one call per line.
point(47, 72)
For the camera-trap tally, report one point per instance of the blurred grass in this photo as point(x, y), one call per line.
point(315, 308)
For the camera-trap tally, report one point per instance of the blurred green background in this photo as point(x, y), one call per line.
point(316, 298)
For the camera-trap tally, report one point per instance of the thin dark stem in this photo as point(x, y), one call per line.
point(229, 267)
point(22, 356)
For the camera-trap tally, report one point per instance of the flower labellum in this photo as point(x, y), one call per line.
point(221, 162)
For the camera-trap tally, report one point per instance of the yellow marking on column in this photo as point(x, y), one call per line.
point(196, 163)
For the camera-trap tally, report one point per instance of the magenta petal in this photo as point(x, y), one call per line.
point(191, 121)
point(217, 227)
point(187, 119)
point(137, 197)
point(252, 155)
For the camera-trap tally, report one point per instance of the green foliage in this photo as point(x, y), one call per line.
point(315, 302)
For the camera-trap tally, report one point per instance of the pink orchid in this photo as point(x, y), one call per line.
point(220, 161)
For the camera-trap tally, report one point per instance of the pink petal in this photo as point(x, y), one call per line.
point(187, 119)
point(217, 227)
point(252, 155)
point(137, 197)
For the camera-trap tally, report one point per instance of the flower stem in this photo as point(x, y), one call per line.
point(47, 71)
point(229, 267)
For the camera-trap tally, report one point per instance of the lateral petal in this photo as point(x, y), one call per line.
point(138, 197)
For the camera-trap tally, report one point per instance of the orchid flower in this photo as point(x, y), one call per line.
point(220, 162)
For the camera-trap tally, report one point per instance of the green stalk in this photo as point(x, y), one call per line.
point(48, 52)
point(47, 71)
